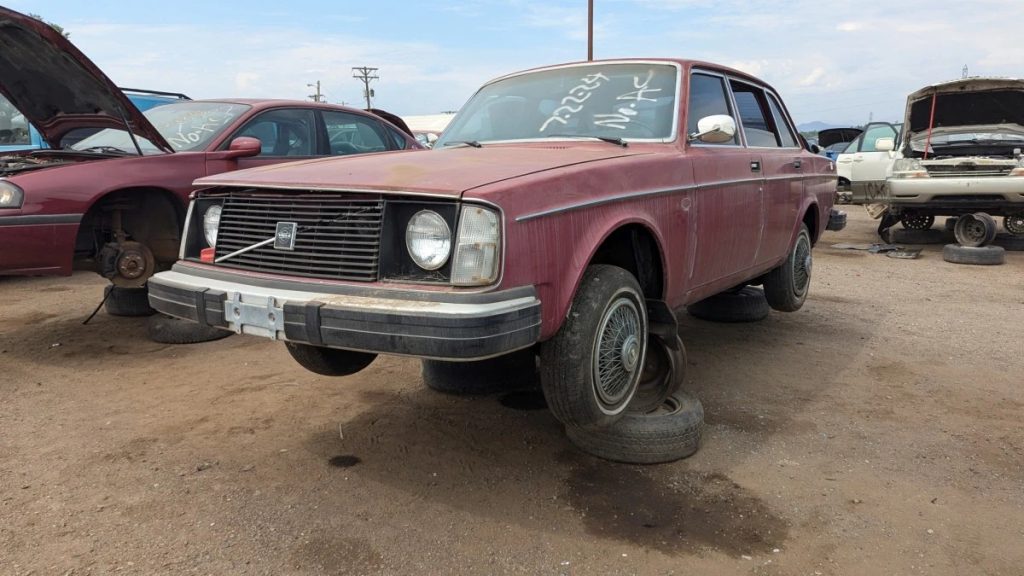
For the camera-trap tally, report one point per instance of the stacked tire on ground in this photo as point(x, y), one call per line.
point(975, 234)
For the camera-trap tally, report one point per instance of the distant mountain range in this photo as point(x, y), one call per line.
point(816, 126)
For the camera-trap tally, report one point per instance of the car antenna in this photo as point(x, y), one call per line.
point(131, 134)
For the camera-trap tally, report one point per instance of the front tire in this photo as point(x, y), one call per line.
point(786, 286)
point(329, 361)
point(590, 370)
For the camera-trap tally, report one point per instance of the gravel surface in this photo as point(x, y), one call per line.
point(876, 431)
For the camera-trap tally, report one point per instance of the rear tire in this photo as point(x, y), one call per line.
point(590, 369)
point(329, 361)
point(977, 255)
point(1009, 242)
point(132, 302)
point(671, 432)
point(786, 286)
point(746, 305)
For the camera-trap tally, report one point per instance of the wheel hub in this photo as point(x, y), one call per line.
point(630, 353)
point(134, 265)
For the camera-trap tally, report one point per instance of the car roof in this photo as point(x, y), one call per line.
point(262, 103)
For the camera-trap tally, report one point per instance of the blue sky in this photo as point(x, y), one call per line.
point(833, 61)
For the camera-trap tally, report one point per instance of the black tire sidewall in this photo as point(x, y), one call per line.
point(780, 284)
point(567, 359)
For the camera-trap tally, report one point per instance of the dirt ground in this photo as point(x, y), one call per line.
point(876, 431)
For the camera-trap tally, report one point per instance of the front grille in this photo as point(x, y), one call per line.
point(967, 171)
point(338, 235)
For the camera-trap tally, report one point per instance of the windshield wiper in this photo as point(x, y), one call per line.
point(103, 150)
point(472, 143)
point(609, 139)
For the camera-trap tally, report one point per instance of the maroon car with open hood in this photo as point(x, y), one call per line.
point(115, 201)
point(568, 210)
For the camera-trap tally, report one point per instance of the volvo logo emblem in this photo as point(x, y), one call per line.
point(284, 237)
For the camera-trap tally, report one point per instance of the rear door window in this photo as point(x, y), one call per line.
point(781, 125)
point(353, 134)
point(755, 116)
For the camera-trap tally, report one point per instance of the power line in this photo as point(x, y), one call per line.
point(366, 74)
point(318, 96)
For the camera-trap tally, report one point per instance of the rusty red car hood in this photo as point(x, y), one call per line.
point(448, 172)
point(56, 87)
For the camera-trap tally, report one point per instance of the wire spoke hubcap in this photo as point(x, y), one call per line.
point(802, 264)
point(618, 352)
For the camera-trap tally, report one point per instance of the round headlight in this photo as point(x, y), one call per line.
point(211, 221)
point(428, 239)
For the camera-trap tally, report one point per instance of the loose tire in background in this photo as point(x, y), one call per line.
point(329, 361)
point(169, 330)
point(515, 371)
point(670, 432)
point(915, 221)
point(978, 255)
point(120, 301)
point(974, 230)
point(786, 286)
point(1014, 224)
point(746, 305)
point(590, 369)
point(1009, 242)
point(663, 374)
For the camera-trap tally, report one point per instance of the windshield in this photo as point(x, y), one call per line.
point(13, 126)
point(628, 100)
point(185, 126)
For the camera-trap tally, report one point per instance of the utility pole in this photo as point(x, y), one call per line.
point(318, 96)
point(366, 74)
point(590, 30)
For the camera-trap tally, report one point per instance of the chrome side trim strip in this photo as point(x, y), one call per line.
point(658, 192)
point(36, 219)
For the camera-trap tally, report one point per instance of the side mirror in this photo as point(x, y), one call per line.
point(885, 144)
point(715, 129)
point(815, 149)
point(242, 147)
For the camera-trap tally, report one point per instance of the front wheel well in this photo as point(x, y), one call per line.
point(635, 249)
point(151, 216)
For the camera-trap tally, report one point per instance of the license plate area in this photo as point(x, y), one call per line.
point(257, 315)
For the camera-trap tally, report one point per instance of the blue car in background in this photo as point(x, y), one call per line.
point(17, 134)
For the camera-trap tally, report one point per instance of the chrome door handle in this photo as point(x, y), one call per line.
point(797, 163)
point(755, 166)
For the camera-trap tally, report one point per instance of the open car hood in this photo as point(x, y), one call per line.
point(57, 88)
point(832, 136)
point(967, 102)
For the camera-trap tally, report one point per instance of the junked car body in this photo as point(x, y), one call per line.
point(115, 201)
point(961, 154)
point(573, 208)
point(862, 166)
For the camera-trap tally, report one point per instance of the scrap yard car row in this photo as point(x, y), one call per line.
point(563, 219)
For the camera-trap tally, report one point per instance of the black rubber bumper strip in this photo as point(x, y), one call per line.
point(425, 334)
